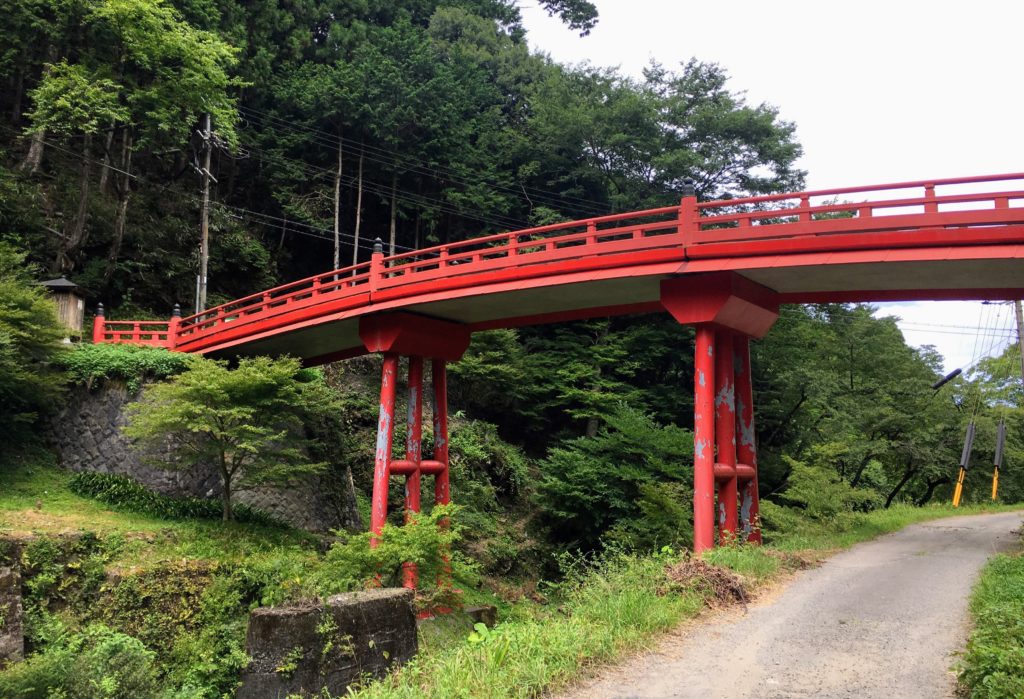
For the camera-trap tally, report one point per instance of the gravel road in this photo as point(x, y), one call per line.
point(883, 619)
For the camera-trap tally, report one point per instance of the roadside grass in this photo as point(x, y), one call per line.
point(614, 607)
point(809, 536)
point(992, 667)
point(618, 606)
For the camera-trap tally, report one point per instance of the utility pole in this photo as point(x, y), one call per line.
point(204, 223)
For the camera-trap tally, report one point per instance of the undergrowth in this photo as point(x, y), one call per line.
point(88, 364)
point(130, 495)
point(993, 664)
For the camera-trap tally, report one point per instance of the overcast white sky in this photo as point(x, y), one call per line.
point(879, 91)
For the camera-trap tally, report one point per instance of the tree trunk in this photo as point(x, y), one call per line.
point(225, 493)
point(930, 490)
point(907, 475)
point(107, 145)
point(75, 236)
point(34, 157)
point(391, 230)
point(18, 89)
point(359, 211)
point(860, 470)
point(337, 207)
point(124, 192)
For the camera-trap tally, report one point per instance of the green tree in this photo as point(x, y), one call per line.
point(30, 339)
point(246, 422)
point(618, 482)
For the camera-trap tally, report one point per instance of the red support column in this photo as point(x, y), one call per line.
point(439, 369)
point(382, 456)
point(704, 439)
point(442, 491)
point(413, 442)
point(725, 434)
point(746, 449)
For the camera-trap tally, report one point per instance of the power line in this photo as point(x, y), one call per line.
point(383, 189)
point(409, 163)
point(245, 214)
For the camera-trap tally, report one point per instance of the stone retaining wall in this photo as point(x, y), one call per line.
point(87, 435)
point(12, 637)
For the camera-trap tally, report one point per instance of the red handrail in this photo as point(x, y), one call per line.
point(692, 230)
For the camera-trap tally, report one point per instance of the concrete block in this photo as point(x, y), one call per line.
point(302, 649)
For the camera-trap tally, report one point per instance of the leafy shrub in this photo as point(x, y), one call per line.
point(825, 497)
point(124, 493)
point(98, 663)
point(427, 540)
point(88, 364)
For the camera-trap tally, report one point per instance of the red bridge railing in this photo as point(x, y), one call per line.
point(926, 212)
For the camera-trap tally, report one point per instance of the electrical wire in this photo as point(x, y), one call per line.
point(411, 164)
point(245, 214)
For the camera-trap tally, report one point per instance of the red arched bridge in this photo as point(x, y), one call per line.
point(724, 266)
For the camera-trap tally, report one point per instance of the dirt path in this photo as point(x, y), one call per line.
point(882, 619)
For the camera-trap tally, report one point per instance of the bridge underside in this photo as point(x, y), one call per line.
point(951, 274)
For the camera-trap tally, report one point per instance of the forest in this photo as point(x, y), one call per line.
point(418, 122)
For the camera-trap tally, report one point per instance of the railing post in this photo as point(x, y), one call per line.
point(98, 325)
point(930, 207)
point(376, 265)
point(172, 327)
point(688, 214)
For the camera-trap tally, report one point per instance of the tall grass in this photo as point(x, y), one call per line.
point(993, 665)
point(614, 607)
point(611, 609)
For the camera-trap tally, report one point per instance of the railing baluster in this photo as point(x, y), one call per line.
point(930, 205)
point(805, 203)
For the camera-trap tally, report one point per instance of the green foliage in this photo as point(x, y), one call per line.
point(619, 481)
point(123, 493)
point(69, 99)
point(993, 665)
point(823, 495)
point(97, 663)
point(29, 343)
point(246, 421)
point(88, 364)
point(428, 540)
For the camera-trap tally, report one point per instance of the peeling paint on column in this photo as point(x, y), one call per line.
point(699, 446)
point(727, 397)
point(745, 511)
